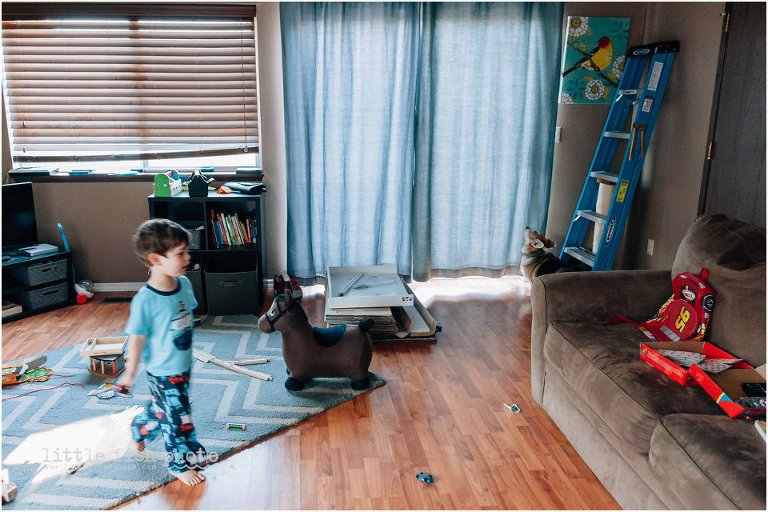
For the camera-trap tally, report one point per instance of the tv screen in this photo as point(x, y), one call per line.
point(19, 224)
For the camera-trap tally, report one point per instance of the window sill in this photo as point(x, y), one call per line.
point(134, 178)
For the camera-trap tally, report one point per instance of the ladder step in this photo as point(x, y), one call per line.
point(591, 215)
point(581, 254)
point(617, 135)
point(605, 176)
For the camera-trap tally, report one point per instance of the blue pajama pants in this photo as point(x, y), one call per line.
point(168, 413)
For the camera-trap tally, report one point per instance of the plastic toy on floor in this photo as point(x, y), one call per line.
point(339, 351)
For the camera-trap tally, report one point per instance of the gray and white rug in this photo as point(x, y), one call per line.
point(47, 432)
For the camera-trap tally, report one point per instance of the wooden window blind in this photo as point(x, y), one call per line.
point(90, 88)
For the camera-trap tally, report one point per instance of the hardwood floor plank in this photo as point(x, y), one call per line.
point(441, 412)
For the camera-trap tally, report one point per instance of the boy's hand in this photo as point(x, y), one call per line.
point(124, 383)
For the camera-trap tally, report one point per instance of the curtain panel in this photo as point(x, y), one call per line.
point(418, 134)
point(349, 73)
point(487, 104)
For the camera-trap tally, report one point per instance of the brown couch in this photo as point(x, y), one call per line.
point(653, 443)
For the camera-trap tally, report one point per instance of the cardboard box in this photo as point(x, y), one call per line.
point(365, 287)
point(725, 389)
point(680, 374)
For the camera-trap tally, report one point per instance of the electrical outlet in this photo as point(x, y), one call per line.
point(649, 248)
point(558, 129)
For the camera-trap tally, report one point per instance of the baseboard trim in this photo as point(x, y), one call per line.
point(117, 287)
point(134, 287)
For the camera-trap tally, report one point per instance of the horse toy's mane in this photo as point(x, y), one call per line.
point(309, 351)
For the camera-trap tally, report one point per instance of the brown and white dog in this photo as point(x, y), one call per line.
point(536, 260)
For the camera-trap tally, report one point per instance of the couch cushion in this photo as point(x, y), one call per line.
point(602, 364)
point(721, 461)
point(734, 253)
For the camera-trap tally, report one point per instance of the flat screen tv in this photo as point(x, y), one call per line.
point(19, 223)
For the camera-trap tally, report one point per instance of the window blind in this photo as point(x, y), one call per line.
point(129, 87)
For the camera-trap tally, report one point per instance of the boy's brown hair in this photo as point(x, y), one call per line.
point(158, 236)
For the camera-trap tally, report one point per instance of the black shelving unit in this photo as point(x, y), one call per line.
point(37, 283)
point(228, 279)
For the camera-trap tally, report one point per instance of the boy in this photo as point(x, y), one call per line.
point(160, 333)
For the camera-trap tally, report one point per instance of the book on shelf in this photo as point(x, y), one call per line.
point(229, 229)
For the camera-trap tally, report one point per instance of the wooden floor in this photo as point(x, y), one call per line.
point(441, 412)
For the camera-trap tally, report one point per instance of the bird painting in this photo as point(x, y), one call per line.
point(596, 60)
point(593, 59)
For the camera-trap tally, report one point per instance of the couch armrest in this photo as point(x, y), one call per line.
point(590, 296)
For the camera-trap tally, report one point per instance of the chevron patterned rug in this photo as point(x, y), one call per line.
point(49, 432)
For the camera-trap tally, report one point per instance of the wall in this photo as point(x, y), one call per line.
point(666, 199)
point(273, 134)
point(100, 217)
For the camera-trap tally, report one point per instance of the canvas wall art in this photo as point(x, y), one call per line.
point(593, 59)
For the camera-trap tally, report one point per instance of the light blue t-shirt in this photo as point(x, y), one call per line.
point(165, 318)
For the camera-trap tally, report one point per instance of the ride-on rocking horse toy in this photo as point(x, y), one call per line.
point(338, 351)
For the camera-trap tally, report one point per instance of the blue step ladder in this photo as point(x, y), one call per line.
point(620, 127)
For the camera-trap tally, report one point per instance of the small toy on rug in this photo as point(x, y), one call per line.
point(108, 366)
point(25, 371)
point(103, 392)
point(536, 259)
point(309, 351)
point(9, 488)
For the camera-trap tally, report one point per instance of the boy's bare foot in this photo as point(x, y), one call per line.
point(140, 446)
point(190, 477)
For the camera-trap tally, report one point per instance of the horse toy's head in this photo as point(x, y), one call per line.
point(338, 351)
point(284, 314)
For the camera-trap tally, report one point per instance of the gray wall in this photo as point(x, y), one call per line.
point(667, 197)
point(100, 217)
point(667, 200)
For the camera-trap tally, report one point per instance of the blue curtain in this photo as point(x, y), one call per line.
point(349, 73)
point(486, 120)
point(417, 134)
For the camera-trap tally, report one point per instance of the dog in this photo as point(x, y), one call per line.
point(536, 260)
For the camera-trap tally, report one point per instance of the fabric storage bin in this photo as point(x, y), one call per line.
point(195, 276)
point(196, 234)
point(42, 297)
point(41, 273)
point(232, 283)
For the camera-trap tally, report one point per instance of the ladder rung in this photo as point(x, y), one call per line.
point(617, 135)
point(605, 176)
point(581, 254)
point(591, 215)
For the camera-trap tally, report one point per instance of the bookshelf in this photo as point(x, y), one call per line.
point(227, 246)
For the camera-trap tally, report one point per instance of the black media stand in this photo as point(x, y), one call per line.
point(36, 283)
